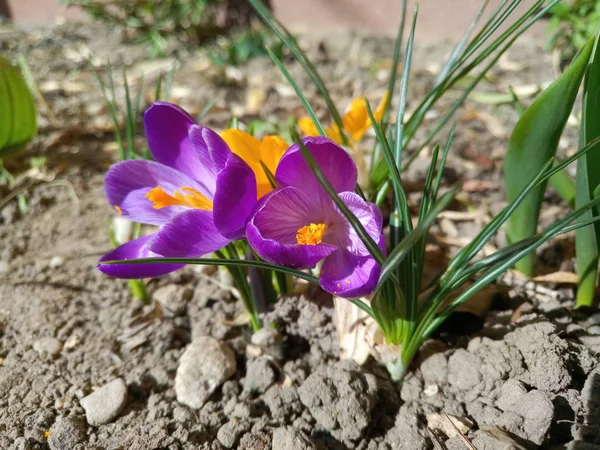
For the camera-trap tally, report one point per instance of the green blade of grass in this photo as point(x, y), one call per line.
point(220, 262)
point(291, 43)
point(401, 251)
point(298, 92)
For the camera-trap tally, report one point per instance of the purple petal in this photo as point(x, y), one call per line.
point(127, 183)
point(175, 140)
point(134, 250)
point(272, 230)
point(235, 197)
point(332, 159)
point(369, 216)
point(349, 275)
point(189, 235)
point(212, 153)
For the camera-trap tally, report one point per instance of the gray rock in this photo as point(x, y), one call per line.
point(230, 433)
point(173, 298)
point(66, 433)
point(203, 367)
point(581, 445)
point(21, 443)
point(340, 398)
point(259, 376)
point(48, 345)
point(290, 439)
point(106, 403)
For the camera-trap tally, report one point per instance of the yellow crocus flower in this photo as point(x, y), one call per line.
point(253, 151)
point(356, 121)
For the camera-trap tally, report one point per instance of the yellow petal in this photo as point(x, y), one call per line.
point(243, 144)
point(308, 127)
point(356, 121)
point(271, 150)
point(334, 134)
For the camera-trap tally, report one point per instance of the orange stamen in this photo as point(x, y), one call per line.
point(118, 209)
point(194, 199)
point(312, 234)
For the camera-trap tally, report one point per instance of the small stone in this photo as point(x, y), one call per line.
point(105, 404)
point(182, 415)
point(259, 376)
point(4, 267)
point(56, 262)
point(290, 439)
point(21, 443)
point(48, 345)
point(203, 367)
point(495, 439)
point(230, 433)
point(173, 298)
point(66, 433)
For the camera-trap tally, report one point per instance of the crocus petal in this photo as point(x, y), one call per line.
point(272, 230)
point(175, 140)
point(369, 216)
point(212, 154)
point(356, 121)
point(235, 197)
point(127, 183)
point(135, 249)
point(308, 127)
point(349, 275)
point(189, 235)
point(336, 164)
point(272, 149)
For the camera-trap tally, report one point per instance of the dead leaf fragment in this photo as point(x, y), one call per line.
point(560, 277)
point(450, 425)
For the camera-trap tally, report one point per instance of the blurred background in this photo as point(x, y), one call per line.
point(439, 19)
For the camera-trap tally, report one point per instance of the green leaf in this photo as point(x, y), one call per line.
point(17, 108)
point(564, 185)
point(587, 239)
point(533, 142)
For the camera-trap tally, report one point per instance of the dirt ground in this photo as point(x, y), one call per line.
point(85, 366)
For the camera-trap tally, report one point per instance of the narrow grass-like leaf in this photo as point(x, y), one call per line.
point(298, 91)
point(534, 140)
point(587, 241)
point(404, 91)
point(291, 43)
point(402, 250)
point(395, 61)
point(220, 262)
point(129, 118)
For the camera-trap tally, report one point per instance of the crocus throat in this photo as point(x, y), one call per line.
point(311, 234)
point(194, 199)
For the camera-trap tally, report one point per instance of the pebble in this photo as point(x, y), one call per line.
point(290, 439)
point(48, 345)
point(66, 433)
point(56, 262)
point(204, 366)
point(106, 403)
point(21, 443)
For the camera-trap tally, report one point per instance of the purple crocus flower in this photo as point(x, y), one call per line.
point(175, 192)
point(299, 225)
